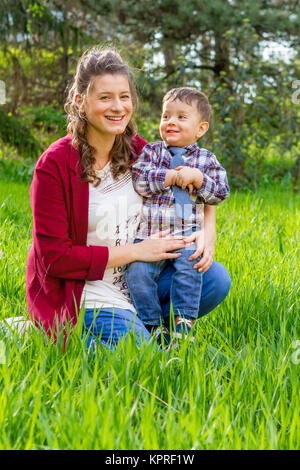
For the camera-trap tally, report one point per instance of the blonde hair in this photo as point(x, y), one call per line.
point(94, 63)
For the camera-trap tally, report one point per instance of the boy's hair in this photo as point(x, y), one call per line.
point(189, 95)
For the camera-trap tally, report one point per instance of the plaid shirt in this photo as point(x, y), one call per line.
point(148, 175)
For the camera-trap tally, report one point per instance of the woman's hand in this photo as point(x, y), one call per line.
point(204, 248)
point(207, 258)
point(159, 246)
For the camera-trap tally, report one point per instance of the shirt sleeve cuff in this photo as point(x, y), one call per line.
point(99, 260)
point(160, 176)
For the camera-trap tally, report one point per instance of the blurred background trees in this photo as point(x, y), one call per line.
point(244, 55)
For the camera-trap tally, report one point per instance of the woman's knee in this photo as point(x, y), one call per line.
point(222, 281)
point(215, 288)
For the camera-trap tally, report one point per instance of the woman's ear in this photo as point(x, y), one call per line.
point(79, 101)
point(203, 128)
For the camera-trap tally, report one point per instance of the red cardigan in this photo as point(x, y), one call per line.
point(59, 260)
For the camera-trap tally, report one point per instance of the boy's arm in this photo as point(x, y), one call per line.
point(147, 176)
point(214, 188)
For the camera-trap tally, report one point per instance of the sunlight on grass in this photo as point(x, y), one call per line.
point(236, 387)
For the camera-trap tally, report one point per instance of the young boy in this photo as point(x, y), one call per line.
point(185, 119)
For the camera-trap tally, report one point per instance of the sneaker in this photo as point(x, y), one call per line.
point(184, 329)
point(162, 336)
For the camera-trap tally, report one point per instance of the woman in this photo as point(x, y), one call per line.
point(85, 213)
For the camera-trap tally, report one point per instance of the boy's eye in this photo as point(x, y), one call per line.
point(182, 116)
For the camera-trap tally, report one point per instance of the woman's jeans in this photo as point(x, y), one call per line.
point(185, 290)
point(110, 325)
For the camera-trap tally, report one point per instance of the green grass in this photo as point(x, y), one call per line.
point(236, 387)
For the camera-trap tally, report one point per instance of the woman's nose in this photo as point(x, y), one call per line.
point(116, 104)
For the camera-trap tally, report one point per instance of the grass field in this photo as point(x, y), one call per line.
point(236, 387)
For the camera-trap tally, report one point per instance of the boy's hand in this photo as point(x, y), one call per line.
point(189, 177)
point(171, 176)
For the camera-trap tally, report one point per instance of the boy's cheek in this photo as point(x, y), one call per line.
point(162, 130)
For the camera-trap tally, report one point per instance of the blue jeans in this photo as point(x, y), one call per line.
point(111, 325)
point(185, 292)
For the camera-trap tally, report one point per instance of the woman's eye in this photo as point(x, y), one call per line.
point(103, 98)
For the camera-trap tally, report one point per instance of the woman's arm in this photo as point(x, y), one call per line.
point(149, 250)
point(209, 225)
point(205, 240)
point(58, 254)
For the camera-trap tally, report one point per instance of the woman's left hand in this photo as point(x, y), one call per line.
point(203, 248)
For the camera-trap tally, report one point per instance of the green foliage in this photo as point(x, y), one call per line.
point(17, 170)
point(236, 387)
point(219, 47)
point(14, 132)
point(46, 120)
point(254, 113)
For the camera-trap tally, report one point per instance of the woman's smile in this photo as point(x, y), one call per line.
point(108, 106)
point(115, 118)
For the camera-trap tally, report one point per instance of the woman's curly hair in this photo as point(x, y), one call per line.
point(94, 63)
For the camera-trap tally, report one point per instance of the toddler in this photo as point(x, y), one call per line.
point(185, 119)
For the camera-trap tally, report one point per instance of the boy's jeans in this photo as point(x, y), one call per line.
point(112, 324)
point(185, 293)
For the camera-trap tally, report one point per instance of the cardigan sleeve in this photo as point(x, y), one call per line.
point(51, 229)
point(137, 145)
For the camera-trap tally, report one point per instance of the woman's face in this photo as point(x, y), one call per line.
point(108, 105)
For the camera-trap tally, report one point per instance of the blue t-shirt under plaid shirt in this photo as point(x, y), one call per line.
point(158, 212)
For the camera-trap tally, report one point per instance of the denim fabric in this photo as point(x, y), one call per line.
point(216, 285)
point(186, 287)
point(109, 325)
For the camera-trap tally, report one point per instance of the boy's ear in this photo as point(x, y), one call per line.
point(203, 128)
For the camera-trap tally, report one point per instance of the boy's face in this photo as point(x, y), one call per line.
point(181, 123)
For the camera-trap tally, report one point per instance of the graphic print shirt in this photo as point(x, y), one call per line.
point(114, 215)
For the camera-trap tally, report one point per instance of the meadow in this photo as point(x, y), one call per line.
point(235, 387)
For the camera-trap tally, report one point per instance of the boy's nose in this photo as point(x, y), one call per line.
point(171, 121)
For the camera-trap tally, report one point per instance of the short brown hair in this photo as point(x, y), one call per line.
point(189, 95)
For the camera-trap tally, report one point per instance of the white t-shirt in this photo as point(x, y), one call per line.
point(114, 215)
